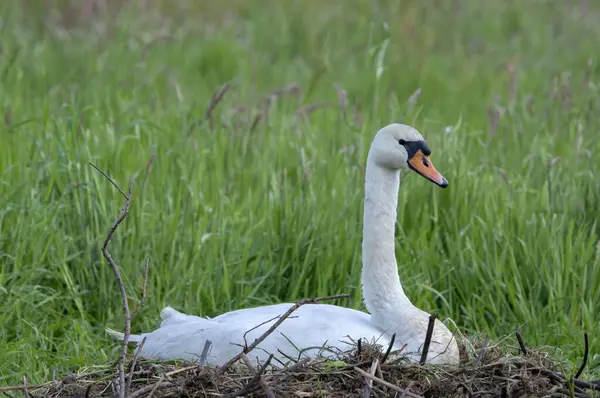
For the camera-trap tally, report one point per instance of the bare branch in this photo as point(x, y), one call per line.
point(126, 311)
point(256, 327)
point(369, 381)
point(256, 382)
point(258, 374)
point(133, 362)
point(110, 180)
point(205, 351)
point(21, 387)
point(117, 273)
point(150, 388)
point(276, 325)
point(385, 383)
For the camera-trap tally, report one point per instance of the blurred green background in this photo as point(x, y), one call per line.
point(263, 203)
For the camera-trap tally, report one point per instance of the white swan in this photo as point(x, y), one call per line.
point(394, 148)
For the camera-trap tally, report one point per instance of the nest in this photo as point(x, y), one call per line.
point(488, 371)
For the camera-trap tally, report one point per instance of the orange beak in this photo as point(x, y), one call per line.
point(422, 165)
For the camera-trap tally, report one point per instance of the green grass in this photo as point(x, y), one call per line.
point(237, 216)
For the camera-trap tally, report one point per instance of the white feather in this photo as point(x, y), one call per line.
point(315, 326)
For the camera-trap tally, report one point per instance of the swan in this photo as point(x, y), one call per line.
point(394, 148)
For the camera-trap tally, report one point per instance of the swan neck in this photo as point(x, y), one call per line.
point(382, 290)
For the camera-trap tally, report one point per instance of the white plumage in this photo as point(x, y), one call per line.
point(315, 326)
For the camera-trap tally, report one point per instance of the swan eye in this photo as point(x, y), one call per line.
point(401, 141)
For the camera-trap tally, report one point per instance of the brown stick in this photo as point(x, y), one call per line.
point(408, 387)
point(389, 349)
point(150, 388)
point(579, 383)
point(261, 381)
point(276, 325)
point(205, 350)
point(254, 383)
point(428, 336)
point(133, 362)
point(21, 387)
point(368, 381)
point(387, 384)
point(256, 327)
point(113, 265)
point(128, 316)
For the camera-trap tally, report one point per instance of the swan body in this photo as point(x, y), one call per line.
point(323, 329)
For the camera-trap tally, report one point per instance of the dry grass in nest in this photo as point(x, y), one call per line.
point(490, 371)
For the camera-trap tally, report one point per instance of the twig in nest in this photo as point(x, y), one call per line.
point(128, 315)
point(205, 351)
point(133, 362)
point(359, 347)
point(256, 380)
point(356, 365)
point(504, 392)
point(297, 365)
point(521, 343)
point(481, 352)
point(276, 325)
point(20, 388)
point(586, 351)
point(156, 386)
point(389, 349)
point(408, 387)
point(428, 336)
point(387, 384)
point(258, 374)
point(150, 388)
point(369, 381)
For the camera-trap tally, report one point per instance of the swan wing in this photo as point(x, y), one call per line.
point(305, 333)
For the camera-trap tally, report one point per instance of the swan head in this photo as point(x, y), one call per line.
point(399, 146)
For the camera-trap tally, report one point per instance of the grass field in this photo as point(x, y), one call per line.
point(264, 204)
